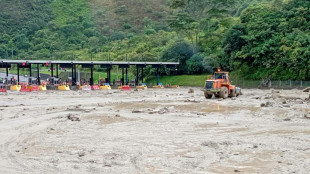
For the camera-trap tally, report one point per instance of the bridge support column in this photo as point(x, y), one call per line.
point(107, 79)
point(126, 76)
point(17, 74)
point(30, 73)
point(72, 73)
point(52, 71)
point(57, 70)
point(75, 76)
point(7, 71)
point(109, 75)
point(137, 77)
point(91, 76)
point(38, 74)
point(157, 72)
point(142, 74)
point(123, 80)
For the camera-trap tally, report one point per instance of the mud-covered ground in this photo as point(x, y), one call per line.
point(154, 131)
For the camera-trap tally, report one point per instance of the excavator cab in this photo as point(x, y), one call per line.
point(221, 76)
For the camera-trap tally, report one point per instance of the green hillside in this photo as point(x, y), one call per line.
point(255, 39)
point(115, 18)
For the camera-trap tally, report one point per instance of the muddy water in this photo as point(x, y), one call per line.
point(199, 107)
point(153, 131)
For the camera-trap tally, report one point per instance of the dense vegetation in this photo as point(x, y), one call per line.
point(255, 39)
point(273, 43)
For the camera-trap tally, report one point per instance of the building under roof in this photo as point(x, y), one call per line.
point(124, 65)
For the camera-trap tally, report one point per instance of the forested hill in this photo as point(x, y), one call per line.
point(38, 29)
point(256, 39)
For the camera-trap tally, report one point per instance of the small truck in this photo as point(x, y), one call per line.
point(219, 85)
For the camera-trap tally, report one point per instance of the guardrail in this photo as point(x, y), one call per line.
point(288, 84)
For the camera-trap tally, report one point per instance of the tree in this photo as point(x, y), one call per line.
point(210, 63)
point(192, 17)
point(232, 43)
point(180, 51)
point(273, 43)
point(194, 64)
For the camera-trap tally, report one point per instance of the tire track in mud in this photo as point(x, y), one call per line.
point(179, 140)
point(11, 150)
point(39, 123)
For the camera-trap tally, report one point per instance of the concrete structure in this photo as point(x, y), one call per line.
point(85, 64)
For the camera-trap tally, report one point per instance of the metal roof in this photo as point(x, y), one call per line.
point(6, 61)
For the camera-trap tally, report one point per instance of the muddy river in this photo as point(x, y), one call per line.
point(154, 131)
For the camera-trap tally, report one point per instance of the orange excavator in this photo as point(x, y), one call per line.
point(219, 85)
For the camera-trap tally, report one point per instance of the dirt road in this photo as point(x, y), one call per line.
point(154, 131)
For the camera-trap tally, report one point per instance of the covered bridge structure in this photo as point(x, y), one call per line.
point(22, 64)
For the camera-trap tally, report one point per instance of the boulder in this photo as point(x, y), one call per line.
point(191, 90)
point(307, 90)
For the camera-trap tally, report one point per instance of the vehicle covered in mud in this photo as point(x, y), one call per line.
point(220, 86)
